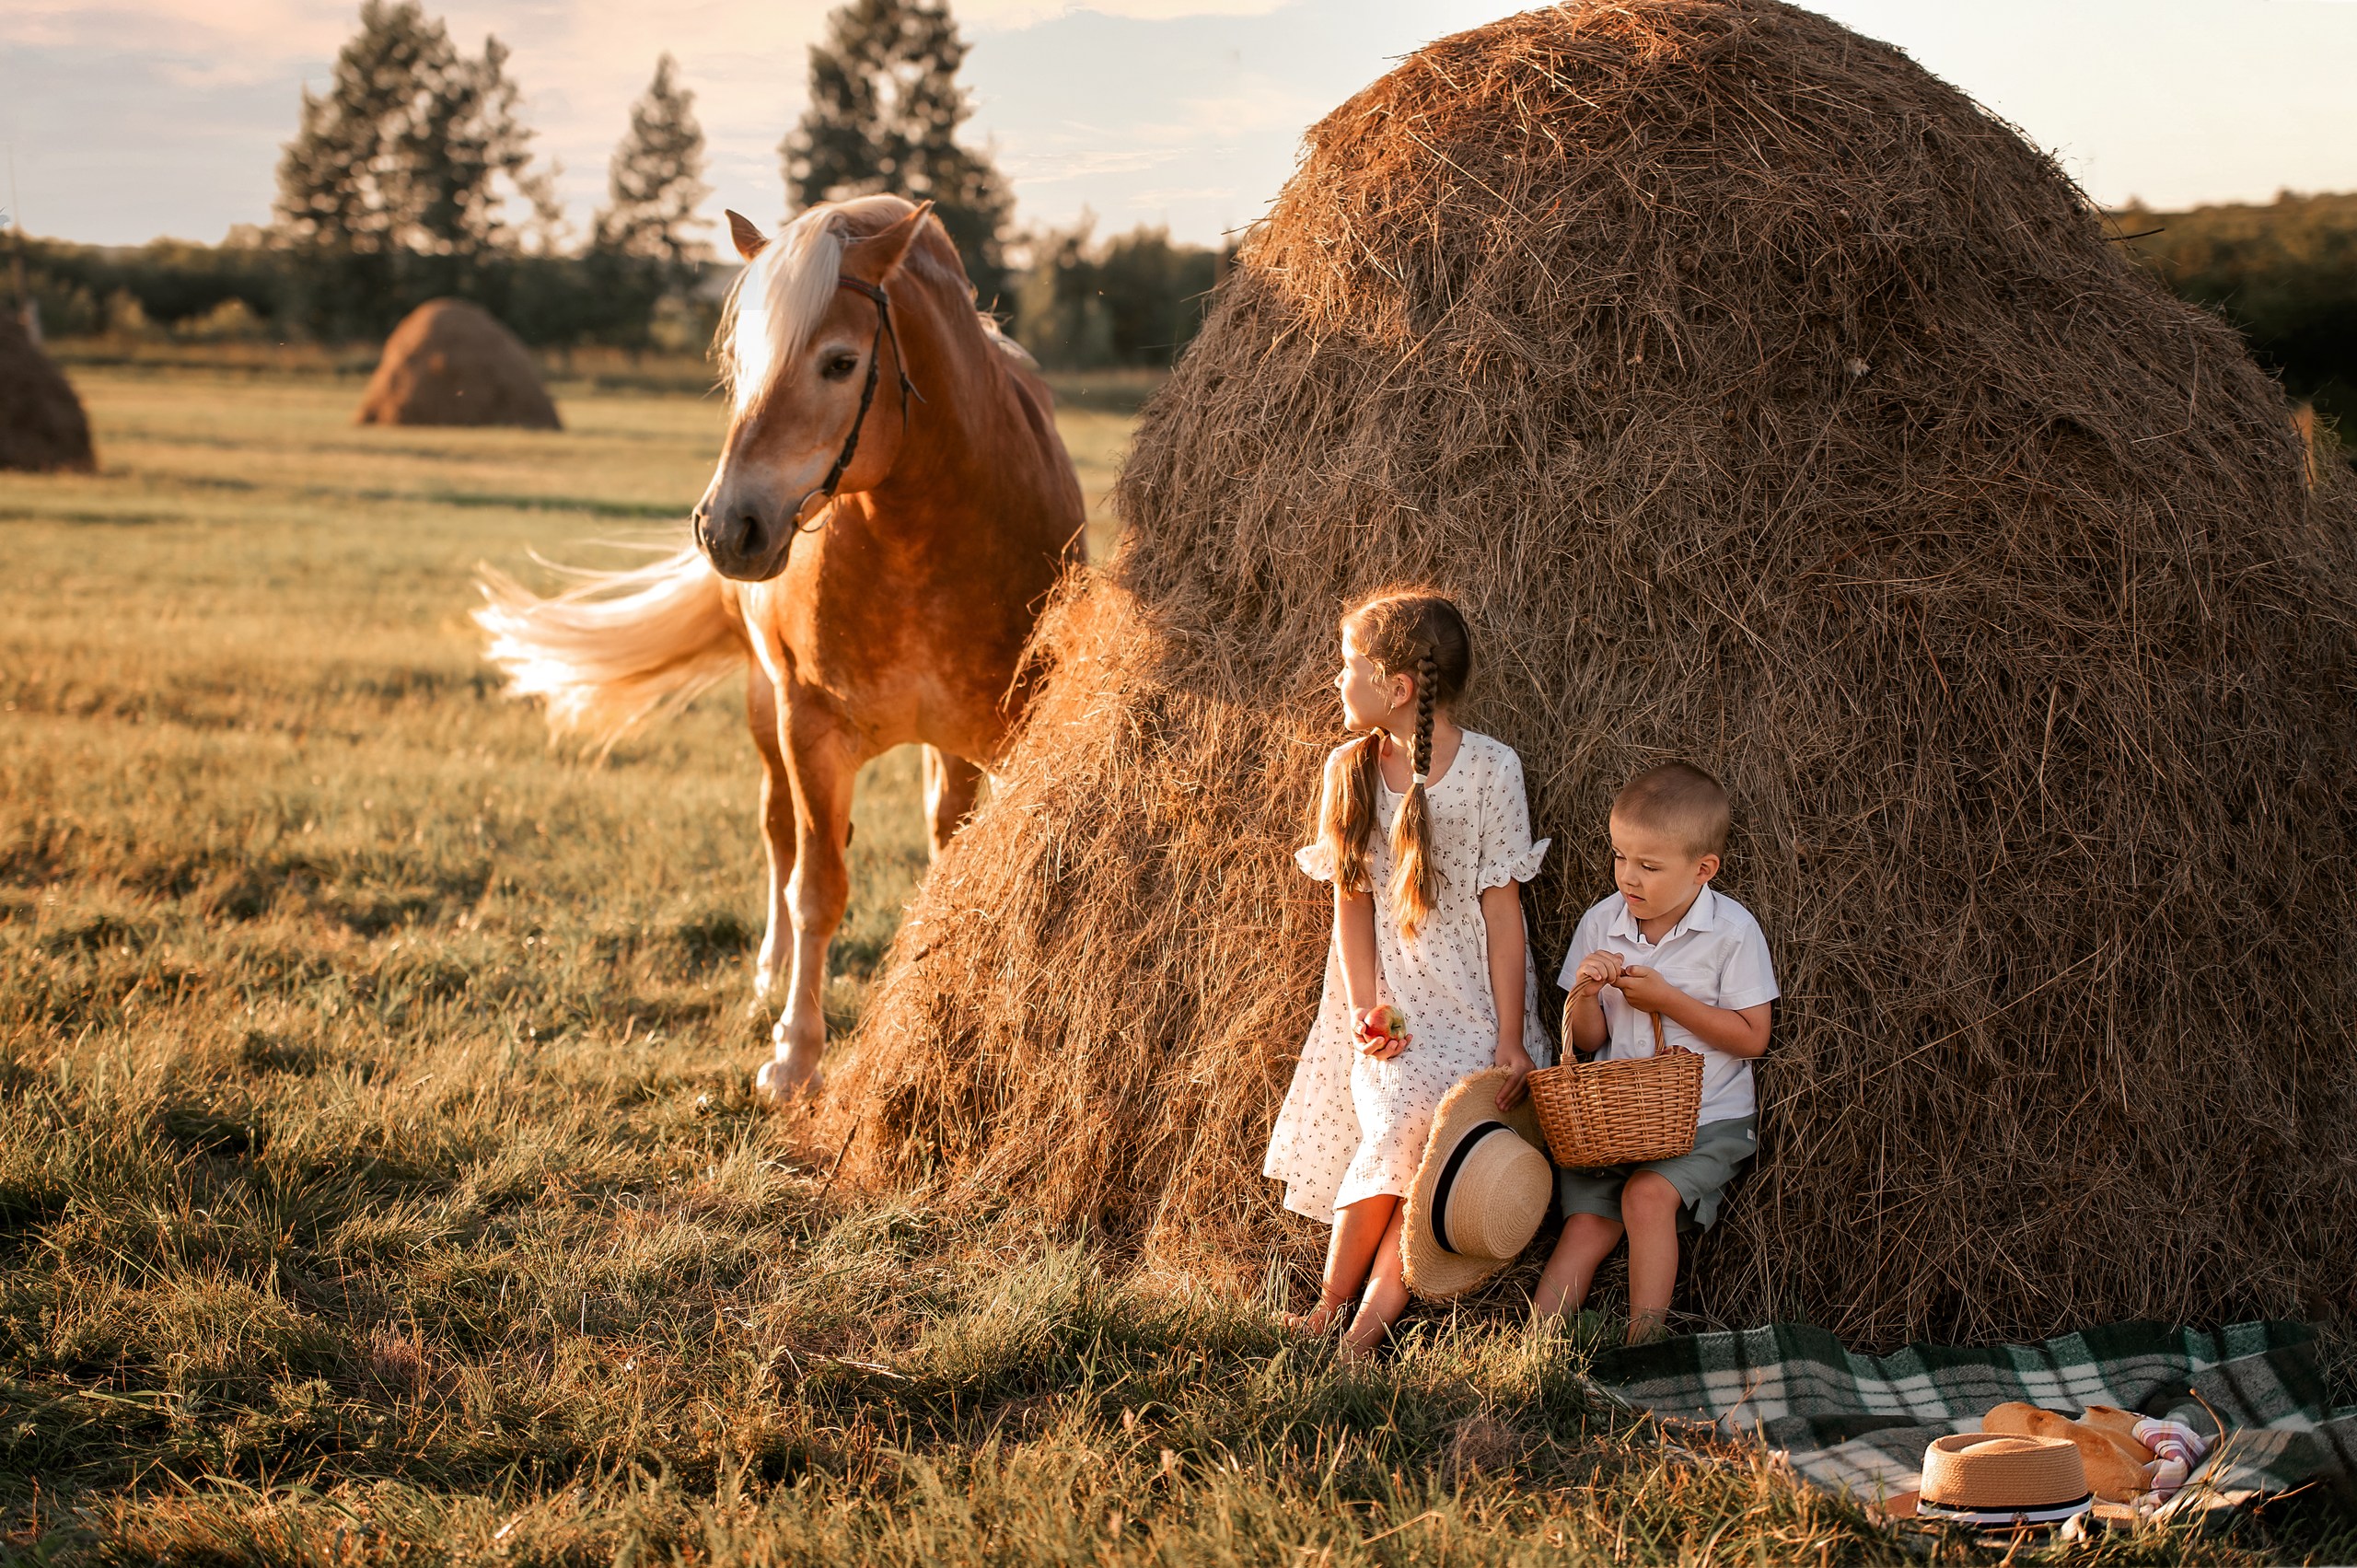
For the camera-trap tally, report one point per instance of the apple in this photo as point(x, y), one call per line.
point(1389, 1022)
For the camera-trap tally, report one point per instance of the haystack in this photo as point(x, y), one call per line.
point(41, 423)
point(450, 363)
point(1768, 405)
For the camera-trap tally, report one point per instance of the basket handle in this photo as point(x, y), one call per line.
point(1585, 988)
point(1589, 987)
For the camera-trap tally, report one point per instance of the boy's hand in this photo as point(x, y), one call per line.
point(1367, 1024)
point(1598, 969)
point(1517, 1058)
point(1645, 989)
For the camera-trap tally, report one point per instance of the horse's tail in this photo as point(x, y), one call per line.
point(615, 648)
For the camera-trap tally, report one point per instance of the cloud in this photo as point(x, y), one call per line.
point(1041, 167)
point(1159, 197)
point(993, 15)
point(249, 39)
point(1263, 105)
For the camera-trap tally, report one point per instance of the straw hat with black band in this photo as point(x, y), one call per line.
point(1479, 1192)
point(2003, 1483)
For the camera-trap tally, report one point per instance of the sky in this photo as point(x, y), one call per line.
point(125, 120)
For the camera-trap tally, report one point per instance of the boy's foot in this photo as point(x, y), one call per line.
point(1647, 1326)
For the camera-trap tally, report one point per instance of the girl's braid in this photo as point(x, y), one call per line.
point(1399, 630)
point(1426, 671)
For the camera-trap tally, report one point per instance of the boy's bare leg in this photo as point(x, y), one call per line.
point(1587, 1240)
point(1387, 1295)
point(1350, 1252)
point(1650, 1204)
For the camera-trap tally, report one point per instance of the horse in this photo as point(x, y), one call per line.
point(891, 509)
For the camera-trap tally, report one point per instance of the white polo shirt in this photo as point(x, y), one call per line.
point(1714, 954)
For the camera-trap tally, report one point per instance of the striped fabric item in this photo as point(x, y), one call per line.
point(1861, 1422)
point(2176, 1449)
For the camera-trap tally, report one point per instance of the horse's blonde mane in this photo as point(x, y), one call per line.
point(777, 300)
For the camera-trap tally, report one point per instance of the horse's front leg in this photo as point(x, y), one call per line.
point(821, 762)
point(777, 829)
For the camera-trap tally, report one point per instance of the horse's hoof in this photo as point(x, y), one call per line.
point(773, 1085)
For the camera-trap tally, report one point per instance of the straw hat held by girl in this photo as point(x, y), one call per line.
point(1423, 830)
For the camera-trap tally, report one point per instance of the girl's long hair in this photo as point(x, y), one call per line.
point(1419, 635)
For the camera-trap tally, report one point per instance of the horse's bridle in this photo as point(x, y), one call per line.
point(825, 490)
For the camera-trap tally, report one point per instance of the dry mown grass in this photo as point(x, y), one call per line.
point(377, 1182)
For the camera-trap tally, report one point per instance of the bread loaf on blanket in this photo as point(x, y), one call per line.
point(2105, 1437)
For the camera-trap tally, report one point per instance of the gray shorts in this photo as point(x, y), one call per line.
point(1700, 1175)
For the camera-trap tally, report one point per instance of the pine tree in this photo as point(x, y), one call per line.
point(885, 107)
point(393, 184)
point(655, 182)
point(640, 249)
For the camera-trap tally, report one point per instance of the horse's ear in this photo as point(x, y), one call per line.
point(872, 260)
point(748, 240)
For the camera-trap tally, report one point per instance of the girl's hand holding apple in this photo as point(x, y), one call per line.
point(1383, 1031)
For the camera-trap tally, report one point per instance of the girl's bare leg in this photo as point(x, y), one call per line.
point(1587, 1240)
point(1386, 1295)
point(1651, 1205)
point(1358, 1230)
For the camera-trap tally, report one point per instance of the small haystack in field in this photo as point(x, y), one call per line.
point(1766, 403)
point(451, 362)
point(41, 423)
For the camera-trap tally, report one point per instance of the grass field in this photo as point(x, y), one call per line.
point(377, 1178)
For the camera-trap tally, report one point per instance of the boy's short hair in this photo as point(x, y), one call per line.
point(1681, 800)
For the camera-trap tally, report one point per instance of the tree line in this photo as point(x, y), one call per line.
point(412, 177)
point(2284, 272)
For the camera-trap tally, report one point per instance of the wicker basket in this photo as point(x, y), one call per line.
point(1602, 1113)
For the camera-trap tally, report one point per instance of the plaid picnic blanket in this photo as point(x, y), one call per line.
point(1862, 1421)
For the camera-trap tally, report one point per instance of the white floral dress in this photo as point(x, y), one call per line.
point(1352, 1127)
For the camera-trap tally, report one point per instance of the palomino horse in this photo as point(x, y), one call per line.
point(891, 507)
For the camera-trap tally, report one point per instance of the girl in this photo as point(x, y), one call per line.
point(1423, 830)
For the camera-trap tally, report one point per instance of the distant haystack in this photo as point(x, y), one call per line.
point(1768, 404)
point(450, 363)
point(41, 423)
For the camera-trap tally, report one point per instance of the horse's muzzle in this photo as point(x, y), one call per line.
point(740, 543)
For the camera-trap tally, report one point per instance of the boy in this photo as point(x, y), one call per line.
point(1665, 943)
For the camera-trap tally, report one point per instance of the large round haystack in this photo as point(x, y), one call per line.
point(41, 423)
point(1768, 404)
point(450, 363)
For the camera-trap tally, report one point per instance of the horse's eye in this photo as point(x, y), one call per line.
point(839, 367)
